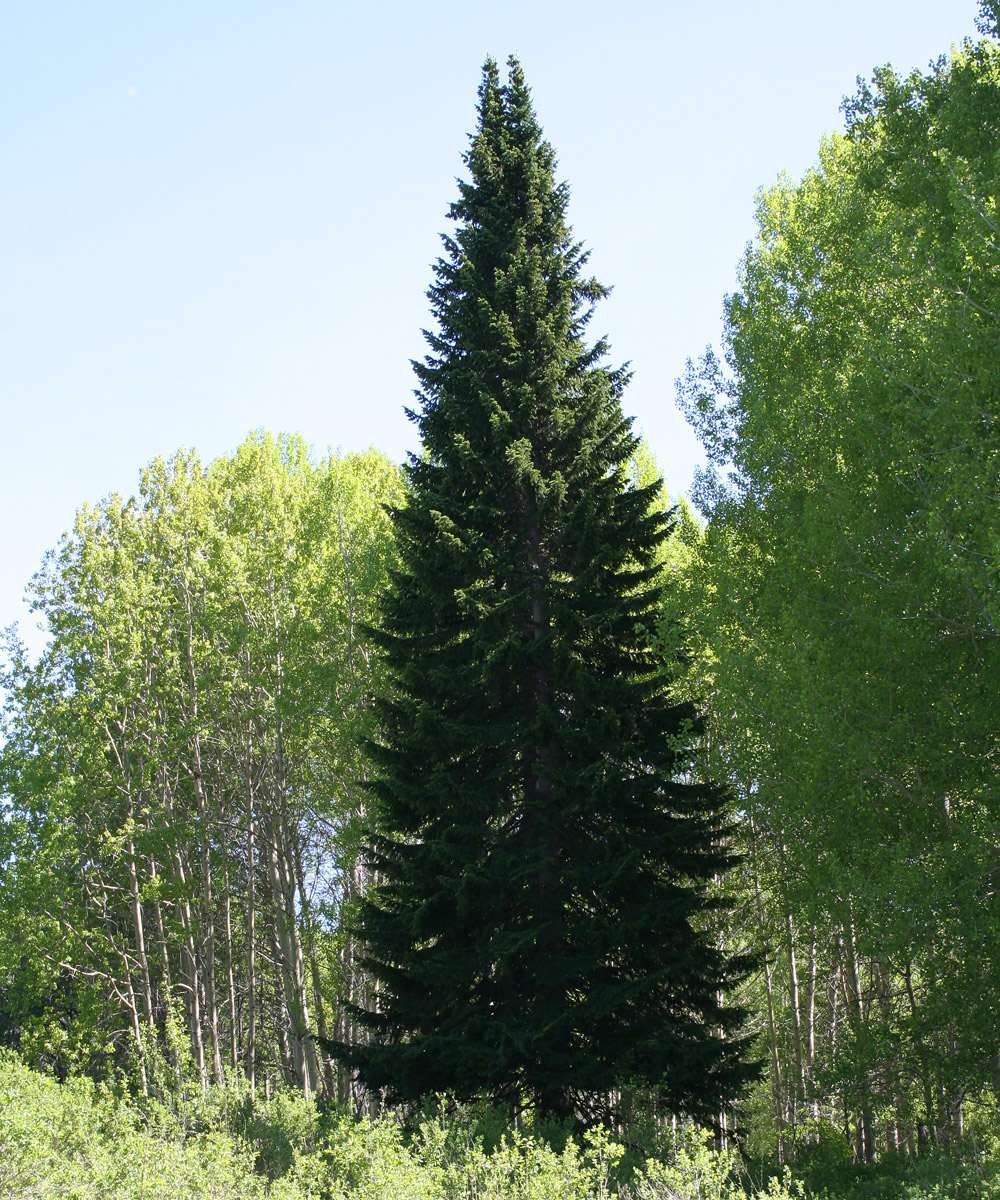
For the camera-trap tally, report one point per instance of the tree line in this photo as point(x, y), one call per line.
point(501, 775)
point(846, 596)
point(181, 766)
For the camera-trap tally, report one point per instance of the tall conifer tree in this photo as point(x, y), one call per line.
point(541, 853)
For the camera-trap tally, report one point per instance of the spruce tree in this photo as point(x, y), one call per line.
point(541, 851)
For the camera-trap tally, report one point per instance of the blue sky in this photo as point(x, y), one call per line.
point(220, 216)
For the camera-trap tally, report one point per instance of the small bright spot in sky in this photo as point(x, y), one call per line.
point(279, 268)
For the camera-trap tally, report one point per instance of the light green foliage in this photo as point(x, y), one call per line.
point(81, 1142)
point(695, 1171)
point(848, 604)
point(184, 757)
point(677, 639)
point(454, 1159)
point(74, 1141)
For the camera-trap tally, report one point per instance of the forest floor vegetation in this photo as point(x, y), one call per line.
point(80, 1140)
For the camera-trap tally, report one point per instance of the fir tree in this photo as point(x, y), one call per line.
point(542, 856)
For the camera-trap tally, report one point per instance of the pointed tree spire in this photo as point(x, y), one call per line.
point(541, 853)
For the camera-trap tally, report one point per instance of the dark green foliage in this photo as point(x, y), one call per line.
point(542, 851)
point(988, 21)
point(27, 1001)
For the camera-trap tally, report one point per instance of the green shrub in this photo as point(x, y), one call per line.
point(76, 1141)
point(80, 1141)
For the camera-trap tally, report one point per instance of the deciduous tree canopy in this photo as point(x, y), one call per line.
point(181, 766)
point(849, 575)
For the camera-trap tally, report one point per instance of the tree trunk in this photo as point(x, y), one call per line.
point(855, 1008)
point(251, 924)
point(772, 1031)
point(208, 915)
point(314, 971)
point(799, 1090)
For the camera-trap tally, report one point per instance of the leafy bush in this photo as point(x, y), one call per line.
point(78, 1140)
point(446, 1160)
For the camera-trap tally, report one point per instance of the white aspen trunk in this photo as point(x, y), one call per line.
point(324, 1067)
point(855, 1007)
point(289, 958)
point(228, 917)
point(119, 749)
point(222, 793)
point(289, 1050)
point(811, 1009)
point(162, 937)
point(208, 920)
point(925, 1079)
point(140, 936)
point(251, 921)
point(284, 888)
point(833, 993)
point(194, 989)
point(793, 985)
point(140, 1044)
point(126, 996)
point(772, 1032)
point(189, 959)
point(777, 1090)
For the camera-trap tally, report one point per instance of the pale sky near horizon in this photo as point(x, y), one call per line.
point(219, 216)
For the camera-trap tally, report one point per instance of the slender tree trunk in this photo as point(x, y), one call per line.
point(925, 1074)
point(189, 957)
point(230, 975)
point(208, 914)
point(772, 1031)
point(799, 1091)
point(194, 990)
point(811, 1009)
point(231, 829)
point(140, 1043)
point(314, 971)
point(283, 889)
point(288, 954)
point(162, 937)
point(833, 1000)
point(289, 1052)
point(855, 1008)
point(251, 923)
point(140, 935)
